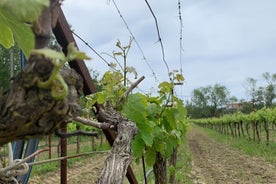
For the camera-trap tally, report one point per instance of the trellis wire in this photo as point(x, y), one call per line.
point(90, 47)
point(135, 40)
point(159, 38)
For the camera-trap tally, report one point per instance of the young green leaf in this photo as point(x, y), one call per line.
point(165, 87)
point(74, 53)
point(150, 156)
point(6, 36)
point(179, 77)
point(138, 146)
point(25, 10)
point(21, 31)
point(50, 53)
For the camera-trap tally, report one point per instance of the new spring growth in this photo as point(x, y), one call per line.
point(59, 88)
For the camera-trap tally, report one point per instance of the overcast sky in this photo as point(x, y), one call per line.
point(224, 42)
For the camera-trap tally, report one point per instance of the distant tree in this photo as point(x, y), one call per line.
point(195, 111)
point(251, 90)
point(260, 98)
point(269, 90)
point(219, 97)
point(233, 99)
point(208, 101)
point(199, 97)
point(263, 95)
point(247, 107)
point(199, 103)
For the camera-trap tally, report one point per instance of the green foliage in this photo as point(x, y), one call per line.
point(135, 109)
point(161, 120)
point(22, 9)
point(176, 76)
point(111, 90)
point(256, 126)
point(122, 54)
point(165, 87)
point(150, 156)
point(171, 170)
point(263, 115)
point(13, 17)
point(161, 128)
point(138, 146)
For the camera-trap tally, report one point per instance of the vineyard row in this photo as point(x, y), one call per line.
point(255, 126)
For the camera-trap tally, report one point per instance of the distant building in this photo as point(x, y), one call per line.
point(235, 106)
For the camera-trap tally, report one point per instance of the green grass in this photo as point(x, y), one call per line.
point(184, 164)
point(248, 147)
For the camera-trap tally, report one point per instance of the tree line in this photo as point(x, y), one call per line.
point(216, 100)
point(9, 66)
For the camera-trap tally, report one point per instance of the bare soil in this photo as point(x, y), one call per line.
point(217, 163)
point(86, 171)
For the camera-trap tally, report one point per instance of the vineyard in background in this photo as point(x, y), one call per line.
point(257, 126)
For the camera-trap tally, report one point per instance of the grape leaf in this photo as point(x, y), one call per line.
point(21, 31)
point(150, 156)
point(138, 146)
point(171, 144)
point(146, 132)
point(168, 119)
point(101, 97)
point(25, 10)
point(179, 77)
point(135, 108)
point(165, 87)
point(6, 36)
point(74, 53)
point(160, 145)
point(50, 53)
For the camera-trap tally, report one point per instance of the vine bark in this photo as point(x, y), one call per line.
point(119, 158)
point(29, 111)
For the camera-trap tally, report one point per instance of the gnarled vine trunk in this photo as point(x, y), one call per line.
point(119, 158)
point(173, 160)
point(160, 169)
point(266, 128)
point(29, 111)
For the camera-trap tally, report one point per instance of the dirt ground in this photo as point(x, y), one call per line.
point(217, 163)
point(213, 163)
point(77, 174)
